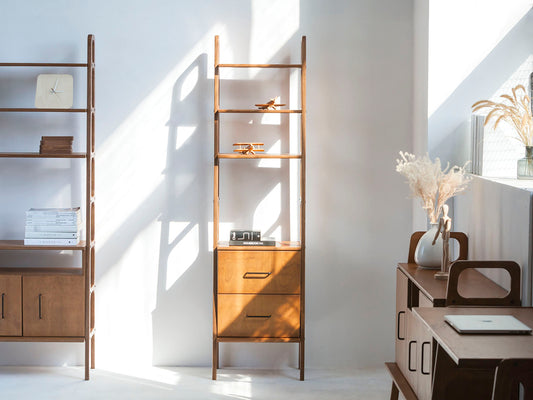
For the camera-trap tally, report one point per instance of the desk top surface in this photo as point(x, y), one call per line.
point(473, 349)
point(471, 284)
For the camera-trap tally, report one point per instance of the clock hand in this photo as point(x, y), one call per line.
point(55, 86)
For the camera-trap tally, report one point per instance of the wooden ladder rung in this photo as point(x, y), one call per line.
point(400, 382)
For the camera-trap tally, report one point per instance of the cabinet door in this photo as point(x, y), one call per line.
point(11, 305)
point(423, 385)
point(53, 306)
point(401, 321)
point(413, 350)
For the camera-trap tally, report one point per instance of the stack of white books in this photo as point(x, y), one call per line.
point(53, 226)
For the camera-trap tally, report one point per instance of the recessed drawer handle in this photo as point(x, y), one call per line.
point(3, 296)
point(256, 275)
point(40, 306)
point(422, 360)
point(258, 316)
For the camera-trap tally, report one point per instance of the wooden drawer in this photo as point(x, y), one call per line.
point(11, 306)
point(53, 306)
point(276, 272)
point(246, 315)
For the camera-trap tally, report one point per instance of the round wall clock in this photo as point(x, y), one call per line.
point(54, 91)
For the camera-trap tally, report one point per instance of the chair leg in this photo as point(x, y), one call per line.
point(394, 392)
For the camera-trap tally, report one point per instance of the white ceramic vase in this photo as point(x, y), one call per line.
point(426, 254)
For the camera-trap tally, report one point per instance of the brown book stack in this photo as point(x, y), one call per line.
point(56, 145)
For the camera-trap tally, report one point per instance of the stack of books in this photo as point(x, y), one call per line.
point(53, 226)
point(56, 145)
point(246, 237)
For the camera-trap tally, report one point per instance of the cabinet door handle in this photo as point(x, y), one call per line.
point(40, 306)
point(398, 329)
point(422, 358)
point(3, 296)
point(256, 275)
point(258, 316)
point(409, 357)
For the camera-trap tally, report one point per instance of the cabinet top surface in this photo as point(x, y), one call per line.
point(471, 284)
point(473, 349)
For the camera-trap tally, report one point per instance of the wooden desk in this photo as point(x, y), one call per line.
point(465, 363)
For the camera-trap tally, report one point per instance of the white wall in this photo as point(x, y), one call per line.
point(154, 168)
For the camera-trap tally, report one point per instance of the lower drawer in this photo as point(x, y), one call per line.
point(249, 315)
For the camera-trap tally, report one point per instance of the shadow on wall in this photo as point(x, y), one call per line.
point(449, 125)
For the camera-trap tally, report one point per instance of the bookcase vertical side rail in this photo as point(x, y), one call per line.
point(301, 360)
point(216, 205)
point(88, 252)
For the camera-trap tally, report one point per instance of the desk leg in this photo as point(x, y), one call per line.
point(453, 382)
point(394, 392)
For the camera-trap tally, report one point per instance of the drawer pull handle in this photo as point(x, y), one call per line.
point(398, 329)
point(256, 275)
point(3, 296)
point(40, 306)
point(422, 360)
point(258, 316)
point(409, 357)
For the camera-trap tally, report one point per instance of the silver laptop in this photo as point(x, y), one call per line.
point(503, 324)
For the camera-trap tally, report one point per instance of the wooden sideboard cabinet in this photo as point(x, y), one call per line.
point(415, 350)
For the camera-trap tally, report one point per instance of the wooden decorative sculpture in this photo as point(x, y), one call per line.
point(445, 226)
point(270, 105)
point(248, 148)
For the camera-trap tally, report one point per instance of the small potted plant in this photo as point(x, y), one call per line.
point(515, 110)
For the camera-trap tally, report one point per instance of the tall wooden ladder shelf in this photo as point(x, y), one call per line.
point(55, 304)
point(252, 284)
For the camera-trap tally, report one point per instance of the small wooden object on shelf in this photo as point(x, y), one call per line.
point(270, 105)
point(56, 145)
point(247, 148)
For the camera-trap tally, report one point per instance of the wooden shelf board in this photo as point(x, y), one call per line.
point(282, 246)
point(77, 339)
point(40, 271)
point(252, 156)
point(63, 110)
point(258, 339)
point(38, 155)
point(260, 65)
point(43, 65)
point(19, 245)
point(250, 111)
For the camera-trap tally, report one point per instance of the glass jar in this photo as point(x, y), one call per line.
point(524, 168)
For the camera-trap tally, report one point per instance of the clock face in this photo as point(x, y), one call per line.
point(54, 91)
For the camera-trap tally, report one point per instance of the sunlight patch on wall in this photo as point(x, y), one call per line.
point(274, 22)
point(223, 232)
point(134, 155)
point(272, 163)
point(268, 210)
point(185, 251)
point(183, 133)
point(455, 48)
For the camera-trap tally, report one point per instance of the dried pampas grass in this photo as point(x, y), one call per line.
point(430, 183)
point(516, 111)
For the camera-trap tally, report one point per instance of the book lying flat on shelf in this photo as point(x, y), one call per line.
point(51, 242)
point(252, 242)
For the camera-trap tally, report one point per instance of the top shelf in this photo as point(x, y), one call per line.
point(259, 65)
point(76, 65)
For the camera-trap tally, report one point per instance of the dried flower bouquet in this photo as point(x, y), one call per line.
point(515, 110)
point(430, 183)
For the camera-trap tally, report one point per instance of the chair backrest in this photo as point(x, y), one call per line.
point(509, 375)
point(459, 236)
point(512, 299)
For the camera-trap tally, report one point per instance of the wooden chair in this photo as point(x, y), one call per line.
point(459, 236)
point(509, 375)
point(453, 298)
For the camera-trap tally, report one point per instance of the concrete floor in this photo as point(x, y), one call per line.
point(66, 383)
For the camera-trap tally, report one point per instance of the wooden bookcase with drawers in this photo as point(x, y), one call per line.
point(259, 291)
point(46, 303)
